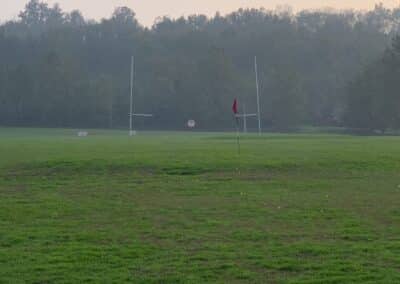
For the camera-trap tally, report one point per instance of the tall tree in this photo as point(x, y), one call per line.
point(373, 97)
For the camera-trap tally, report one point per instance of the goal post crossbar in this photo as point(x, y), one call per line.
point(246, 115)
point(140, 115)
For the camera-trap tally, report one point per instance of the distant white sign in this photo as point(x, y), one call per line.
point(191, 123)
point(83, 134)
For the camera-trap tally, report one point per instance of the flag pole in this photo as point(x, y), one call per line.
point(236, 115)
point(244, 119)
point(238, 135)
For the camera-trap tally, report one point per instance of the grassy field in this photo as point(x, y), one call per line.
point(185, 208)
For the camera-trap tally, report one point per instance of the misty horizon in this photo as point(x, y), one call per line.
point(309, 64)
point(148, 12)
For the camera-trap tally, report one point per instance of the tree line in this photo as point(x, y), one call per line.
point(319, 68)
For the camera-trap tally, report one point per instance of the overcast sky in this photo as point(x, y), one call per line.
point(148, 10)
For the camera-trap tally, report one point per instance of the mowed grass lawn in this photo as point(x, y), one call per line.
point(185, 208)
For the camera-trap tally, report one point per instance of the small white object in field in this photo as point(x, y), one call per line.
point(83, 134)
point(132, 133)
point(191, 123)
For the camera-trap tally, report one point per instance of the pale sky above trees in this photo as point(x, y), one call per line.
point(148, 10)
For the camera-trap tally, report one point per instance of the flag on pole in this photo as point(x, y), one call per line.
point(235, 107)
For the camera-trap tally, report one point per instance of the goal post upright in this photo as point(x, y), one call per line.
point(131, 97)
point(132, 113)
point(258, 96)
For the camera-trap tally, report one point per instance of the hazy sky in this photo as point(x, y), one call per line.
point(148, 10)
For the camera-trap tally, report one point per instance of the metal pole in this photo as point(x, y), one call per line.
point(258, 96)
point(244, 119)
point(131, 100)
point(238, 136)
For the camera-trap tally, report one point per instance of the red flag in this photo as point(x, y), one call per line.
point(235, 107)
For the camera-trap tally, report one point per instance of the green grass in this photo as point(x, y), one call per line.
point(185, 208)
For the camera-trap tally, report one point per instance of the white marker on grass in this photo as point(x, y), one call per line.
point(83, 134)
point(191, 123)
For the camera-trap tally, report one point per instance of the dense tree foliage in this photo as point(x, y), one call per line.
point(374, 97)
point(59, 69)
